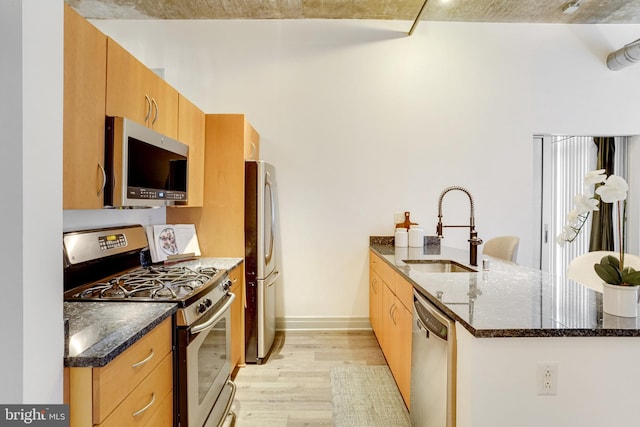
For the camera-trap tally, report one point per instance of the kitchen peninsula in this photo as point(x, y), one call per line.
point(511, 320)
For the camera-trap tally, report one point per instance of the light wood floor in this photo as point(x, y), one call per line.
point(293, 387)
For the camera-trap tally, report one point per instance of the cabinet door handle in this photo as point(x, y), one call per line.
point(147, 406)
point(104, 179)
point(155, 116)
point(145, 360)
point(148, 102)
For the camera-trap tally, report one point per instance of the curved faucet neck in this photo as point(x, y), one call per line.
point(464, 190)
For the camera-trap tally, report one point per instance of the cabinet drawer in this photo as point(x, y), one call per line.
point(146, 399)
point(237, 317)
point(163, 417)
point(384, 270)
point(235, 275)
point(113, 382)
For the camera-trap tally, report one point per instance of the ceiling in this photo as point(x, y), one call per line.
point(503, 11)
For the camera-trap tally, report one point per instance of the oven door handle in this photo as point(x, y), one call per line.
point(209, 323)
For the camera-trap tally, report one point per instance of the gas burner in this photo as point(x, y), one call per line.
point(157, 283)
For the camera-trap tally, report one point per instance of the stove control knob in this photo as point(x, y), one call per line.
point(201, 308)
point(226, 285)
point(208, 302)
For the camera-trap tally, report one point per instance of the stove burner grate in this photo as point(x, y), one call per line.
point(167, 283)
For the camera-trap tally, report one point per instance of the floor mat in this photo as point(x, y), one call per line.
point(366, 396)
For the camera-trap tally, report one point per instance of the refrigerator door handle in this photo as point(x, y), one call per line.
point(273, 278)
point(269, 185)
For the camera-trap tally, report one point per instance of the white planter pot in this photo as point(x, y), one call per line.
point(620, 300)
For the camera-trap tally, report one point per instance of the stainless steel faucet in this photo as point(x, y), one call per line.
point(474, 241)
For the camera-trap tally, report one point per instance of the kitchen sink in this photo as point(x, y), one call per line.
point(437, 266)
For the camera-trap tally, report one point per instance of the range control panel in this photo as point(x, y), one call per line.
point(87, 245)
point(112, 241)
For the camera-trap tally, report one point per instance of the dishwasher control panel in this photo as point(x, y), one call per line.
point(431, 321)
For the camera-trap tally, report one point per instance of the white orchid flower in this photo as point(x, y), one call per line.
point(585, 203)
point(614, 189)
point(569, 232)
point(594, 177)
point(573, 217)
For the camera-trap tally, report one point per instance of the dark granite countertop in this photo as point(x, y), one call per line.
point(509, 300)
point(100, 331)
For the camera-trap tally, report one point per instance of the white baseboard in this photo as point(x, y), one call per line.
point(322, 323)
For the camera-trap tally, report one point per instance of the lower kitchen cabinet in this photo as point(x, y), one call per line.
point(236, 276)
point(135, 389)
point(391, 319)
point(375, 302)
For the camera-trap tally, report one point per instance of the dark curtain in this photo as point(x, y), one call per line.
point(602, 220)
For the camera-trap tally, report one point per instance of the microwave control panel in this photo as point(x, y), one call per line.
point(145, 193)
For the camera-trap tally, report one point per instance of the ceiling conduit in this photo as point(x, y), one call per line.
point(625, 56)
point(415, 22)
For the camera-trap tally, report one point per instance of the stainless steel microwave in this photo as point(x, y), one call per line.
point(143, 167)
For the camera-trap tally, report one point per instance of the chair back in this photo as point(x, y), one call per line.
point(503, 247)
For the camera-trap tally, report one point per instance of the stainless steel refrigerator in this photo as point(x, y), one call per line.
point(262, 258)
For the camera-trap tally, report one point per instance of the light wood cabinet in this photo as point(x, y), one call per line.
point(251, 142)
point(391, 314)
point(191, 122)
point(375, 302)
point(236, 276)
point(397, 343)
point(137, 93)
point(134, 389)
point(220, 221)
point(85, 54)
point(229, 138)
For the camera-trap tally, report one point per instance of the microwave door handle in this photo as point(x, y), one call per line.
point(209, 323)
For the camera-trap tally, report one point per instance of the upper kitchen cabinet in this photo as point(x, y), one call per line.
point(191, 123)
point(137, 93)
point(85, 53)
point(229, 138)
point(251, 142)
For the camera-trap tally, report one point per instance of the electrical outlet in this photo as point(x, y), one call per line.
point(548, 379)
point(398, 217)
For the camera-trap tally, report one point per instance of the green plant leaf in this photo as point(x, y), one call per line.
point(632, 278)
point(611, 260)
point(628, 270)
point(608, 273)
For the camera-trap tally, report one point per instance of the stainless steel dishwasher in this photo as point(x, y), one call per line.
point(433, 366)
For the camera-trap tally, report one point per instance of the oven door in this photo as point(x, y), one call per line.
point(204, 367)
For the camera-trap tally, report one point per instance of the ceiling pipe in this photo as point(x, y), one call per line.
point(415, 23)
point(627, 55)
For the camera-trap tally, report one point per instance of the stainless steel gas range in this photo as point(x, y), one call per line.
point(112, 264)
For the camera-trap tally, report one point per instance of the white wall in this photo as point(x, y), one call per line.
point(10, 170)
point(363, 121)
point(31, 173)
point(86, 219)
